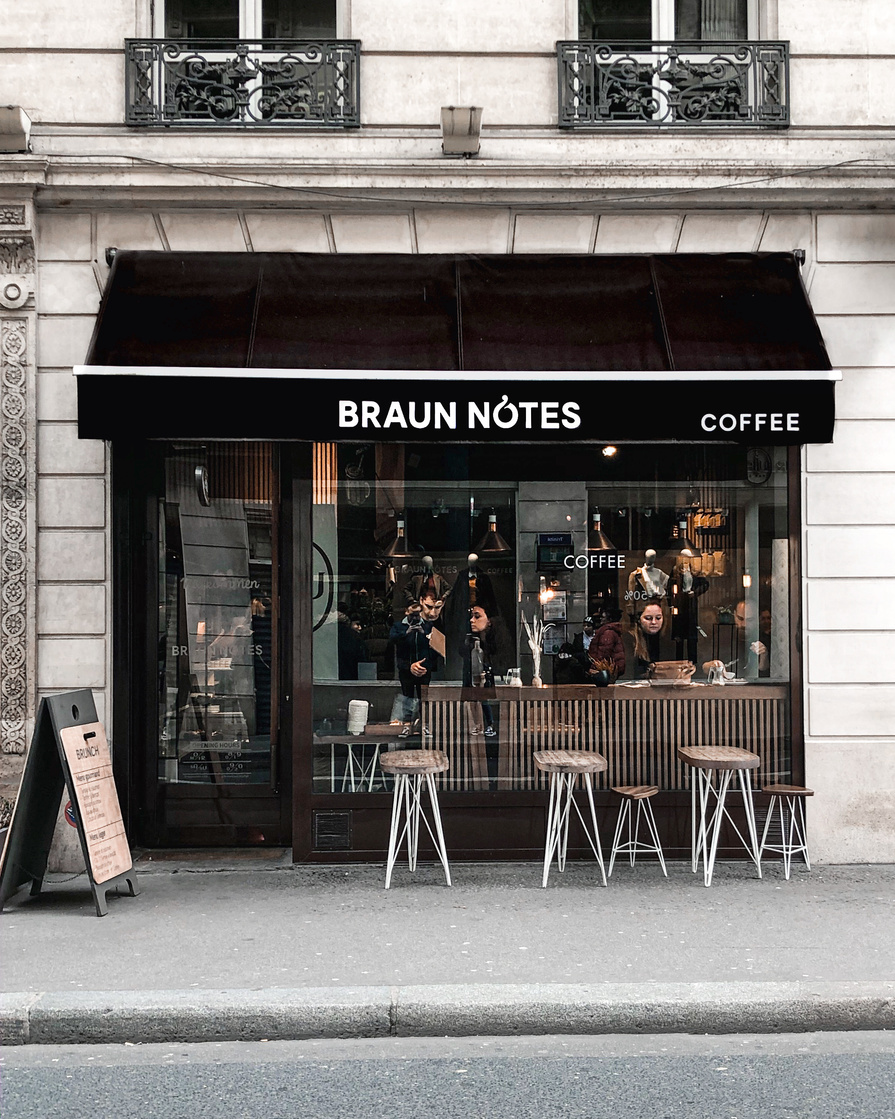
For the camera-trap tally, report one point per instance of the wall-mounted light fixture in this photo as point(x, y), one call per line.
point(461, 129)
point(15, 129)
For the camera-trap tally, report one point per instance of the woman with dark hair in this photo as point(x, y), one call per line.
point(486, 651)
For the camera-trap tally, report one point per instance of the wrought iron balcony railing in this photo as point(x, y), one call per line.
point(681, 84)
point(239, 82)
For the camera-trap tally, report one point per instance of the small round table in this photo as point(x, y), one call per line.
point(725, 761)
point(565, 767)
point(410, 768)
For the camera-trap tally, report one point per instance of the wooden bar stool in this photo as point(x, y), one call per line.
point(639, 795)
point(793, 839)
point(410, 768)
point(726, 761)
point(565, 767)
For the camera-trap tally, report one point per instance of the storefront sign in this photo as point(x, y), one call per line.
point(598, 561)
point(784, 408)
point(524, 415)
point(90, 765)
point(69, 752)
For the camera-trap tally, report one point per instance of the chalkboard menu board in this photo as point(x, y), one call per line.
point(69, 750)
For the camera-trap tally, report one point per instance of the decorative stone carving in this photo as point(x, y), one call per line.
point(14, 698)
point(12, 215)
point(14, 292)
point(16, 255)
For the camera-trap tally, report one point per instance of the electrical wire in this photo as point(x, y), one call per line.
point(553, 204)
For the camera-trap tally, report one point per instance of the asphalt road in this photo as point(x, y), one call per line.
point(806, 1076)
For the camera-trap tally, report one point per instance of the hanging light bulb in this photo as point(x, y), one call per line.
point(545, 593)
point(492, 543)
point(399, 548)
point(599, 541)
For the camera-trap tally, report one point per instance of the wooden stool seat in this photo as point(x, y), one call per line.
point(569, 761)
point(411, 768)
point(789, 800)
point(727, 762)
point(718, 757)
point(414, 761)
point(635, 792)
point(634, 845)
point(564, 768)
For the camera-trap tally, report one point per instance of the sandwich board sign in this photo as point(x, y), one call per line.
point(69, 750)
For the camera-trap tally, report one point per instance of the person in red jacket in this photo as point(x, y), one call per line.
point(606, 644)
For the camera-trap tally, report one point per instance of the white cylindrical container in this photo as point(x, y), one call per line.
point(358, 710)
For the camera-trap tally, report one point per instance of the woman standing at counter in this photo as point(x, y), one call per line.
point(486, 652)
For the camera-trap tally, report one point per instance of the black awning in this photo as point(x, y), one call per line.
point(743, 321)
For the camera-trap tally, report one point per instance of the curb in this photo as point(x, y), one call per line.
point(286, 1014)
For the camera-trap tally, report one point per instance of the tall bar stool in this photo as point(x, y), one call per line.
point(410, 769)
point(565, 767)
point(725, 761)
point(634, 845)
point(793, 839)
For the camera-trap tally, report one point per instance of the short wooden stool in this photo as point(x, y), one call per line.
point(565, 767)
point(639, 795)
point(726, 761)
point(410, 768)
point(793, 836)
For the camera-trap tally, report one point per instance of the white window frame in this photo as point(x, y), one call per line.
point(761, 19)
point(250, 19)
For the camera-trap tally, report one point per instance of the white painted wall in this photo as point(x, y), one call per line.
point(849, 547)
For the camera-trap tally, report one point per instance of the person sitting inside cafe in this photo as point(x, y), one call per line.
point(649, 635)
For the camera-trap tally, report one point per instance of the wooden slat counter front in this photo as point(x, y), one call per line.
point(637, 729)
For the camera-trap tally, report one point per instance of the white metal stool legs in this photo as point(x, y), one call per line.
point(634, 845)
point(789, 801)
point(707, 816)
point(407, 811)
point(562, 800)
point(711, 813)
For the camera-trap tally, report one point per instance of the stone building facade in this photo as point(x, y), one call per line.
point(92, 182)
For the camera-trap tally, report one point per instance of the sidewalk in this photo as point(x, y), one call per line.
point(246, 946)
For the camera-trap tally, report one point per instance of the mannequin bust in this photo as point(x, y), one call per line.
point(481, 592)
point(427, 580)
point(648, 580)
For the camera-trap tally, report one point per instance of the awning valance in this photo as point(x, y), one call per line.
point(307, 346)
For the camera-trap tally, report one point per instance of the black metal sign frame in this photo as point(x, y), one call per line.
point(45, 776)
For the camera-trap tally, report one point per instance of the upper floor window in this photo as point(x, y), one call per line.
point(244, 62)
point(718, 20)
point(672, 62)
point(252, 19)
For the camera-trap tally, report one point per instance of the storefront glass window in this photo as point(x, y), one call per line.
point(217, 617)
point(652, 580)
